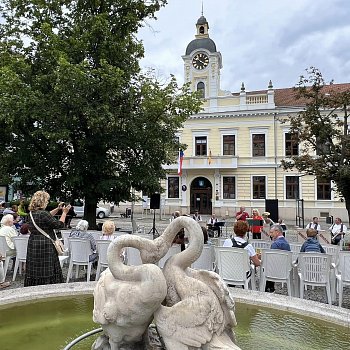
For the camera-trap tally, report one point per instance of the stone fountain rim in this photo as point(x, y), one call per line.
point(308, 308)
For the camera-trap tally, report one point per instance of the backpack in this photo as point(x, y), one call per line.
point(236, 244)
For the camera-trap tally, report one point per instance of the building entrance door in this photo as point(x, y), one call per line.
point(201, 195)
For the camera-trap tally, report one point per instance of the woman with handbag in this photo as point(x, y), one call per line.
point(43, 266)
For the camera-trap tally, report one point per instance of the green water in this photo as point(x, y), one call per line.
point(52, 323)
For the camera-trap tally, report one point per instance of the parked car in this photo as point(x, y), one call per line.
point(100, 211)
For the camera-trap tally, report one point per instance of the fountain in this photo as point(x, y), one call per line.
point(188, 296)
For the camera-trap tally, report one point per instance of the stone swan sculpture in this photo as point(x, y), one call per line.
point(126, 297)
point(199, 311)
point(199, 307)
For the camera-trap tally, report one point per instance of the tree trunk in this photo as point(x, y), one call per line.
point(90, 211)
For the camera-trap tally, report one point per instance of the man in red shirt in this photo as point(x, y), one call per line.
point(242, 214)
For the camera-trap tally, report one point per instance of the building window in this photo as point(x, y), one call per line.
point(201, 145)
point(201, 89)
point(258, 145)
point(229, 187)
point(173, 187)
point(292, 187)
point(259, 187)
point(324, 189)
point(229, 145)
point(291, 145)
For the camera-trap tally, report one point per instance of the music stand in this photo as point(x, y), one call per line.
point(254, 222)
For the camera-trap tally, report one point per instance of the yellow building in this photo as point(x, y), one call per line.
point(235, 146)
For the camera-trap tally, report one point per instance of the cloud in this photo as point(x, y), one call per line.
point(258, 40)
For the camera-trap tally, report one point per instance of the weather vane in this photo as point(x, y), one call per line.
point(202, 7)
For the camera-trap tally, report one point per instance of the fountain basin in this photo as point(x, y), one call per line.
point(259, 315)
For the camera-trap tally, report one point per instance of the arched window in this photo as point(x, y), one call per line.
point(201, 30)
point(201, 88)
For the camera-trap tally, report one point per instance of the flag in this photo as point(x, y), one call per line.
point(209, 158)
point(180, 160)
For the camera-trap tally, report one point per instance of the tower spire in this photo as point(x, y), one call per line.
point(202, 8)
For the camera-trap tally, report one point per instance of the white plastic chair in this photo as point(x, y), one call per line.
point(221, 241)
point(65, 236)
point(276, 266)
point(260, 244)
point(292, 236)
point(101, 247)
point(4, 253)
point(342, 273)
point(174, 249)
point(133, 257)
point(215, 241)
point(206, 259)
point(295, 249)
point(332, 250)
point(80, 249)
point(314, 270)
point(21, 244)
point(234, 267)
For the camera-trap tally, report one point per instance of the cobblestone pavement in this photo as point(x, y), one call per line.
point(146, 223)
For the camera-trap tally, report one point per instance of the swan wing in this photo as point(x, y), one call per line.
point(186, 322)
point(219, 287)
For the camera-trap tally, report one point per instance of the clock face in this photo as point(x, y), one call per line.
point(200, 61)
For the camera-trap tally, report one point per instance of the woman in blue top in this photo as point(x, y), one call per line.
point(311, 244)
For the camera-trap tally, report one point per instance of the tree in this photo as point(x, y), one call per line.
point(77, 116)
point(323, 132)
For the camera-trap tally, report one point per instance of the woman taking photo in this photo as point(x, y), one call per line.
point(43, 266)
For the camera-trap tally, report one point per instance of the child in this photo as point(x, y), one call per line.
point(311, 244)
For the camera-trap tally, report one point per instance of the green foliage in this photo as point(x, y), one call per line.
point(322, 131)
point(78, 117)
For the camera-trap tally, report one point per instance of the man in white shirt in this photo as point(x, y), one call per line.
point(212, 224)
point(314, 224)
point(337, 230)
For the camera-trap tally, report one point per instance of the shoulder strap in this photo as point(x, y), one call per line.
point(240, 245)
point(39, 229)
point(341, 227)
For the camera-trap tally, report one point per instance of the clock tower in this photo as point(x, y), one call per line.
point(202, 64)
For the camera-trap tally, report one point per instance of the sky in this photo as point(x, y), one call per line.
point(259, 40)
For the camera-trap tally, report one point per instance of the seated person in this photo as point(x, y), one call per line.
point(279, 242)
point(3, 284)
point(180, 239)
point(7, 230)
point(80, 231)
point(108, 229)
point(314, 224)
point(240, 229)
point(311, 244)
point(21, 210)
point(175, 215)
point(24, 230)
point(337, 231)
point(196, 216)
point(212, 224)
